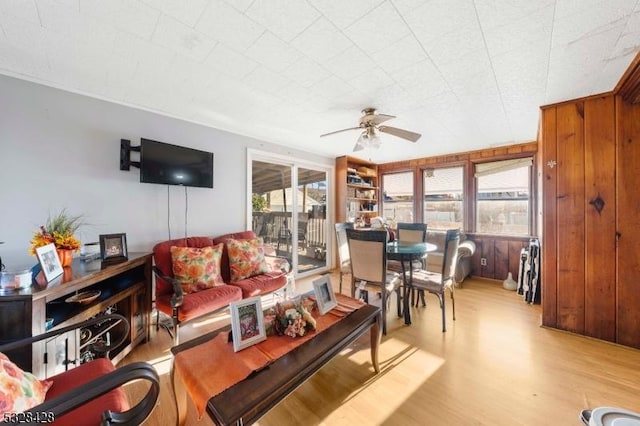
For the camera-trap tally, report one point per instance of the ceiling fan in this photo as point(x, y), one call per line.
point(370, 125)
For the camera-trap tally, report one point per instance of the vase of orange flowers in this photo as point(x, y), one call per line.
point(59, 230)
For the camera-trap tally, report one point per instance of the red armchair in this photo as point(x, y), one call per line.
point(92, 393)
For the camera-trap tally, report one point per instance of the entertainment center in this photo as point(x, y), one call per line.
point(123, 288)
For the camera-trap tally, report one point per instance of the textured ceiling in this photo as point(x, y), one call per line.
point(467, 74)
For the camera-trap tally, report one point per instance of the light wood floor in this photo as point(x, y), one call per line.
point(494, 366)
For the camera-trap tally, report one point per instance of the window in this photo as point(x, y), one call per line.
point(397, 194)
point(503, 197)
point(443, 197)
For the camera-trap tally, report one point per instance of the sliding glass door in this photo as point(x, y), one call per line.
point(293, 223)
point(312, 219)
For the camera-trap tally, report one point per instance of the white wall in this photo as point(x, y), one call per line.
point(61, 150)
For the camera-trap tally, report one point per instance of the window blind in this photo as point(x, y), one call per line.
point(484, 169)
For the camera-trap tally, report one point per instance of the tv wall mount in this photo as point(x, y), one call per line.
point(125, 155)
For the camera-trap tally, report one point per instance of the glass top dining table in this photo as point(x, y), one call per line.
point(406, 252)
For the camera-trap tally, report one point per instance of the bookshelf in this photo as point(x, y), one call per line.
point(357, 191)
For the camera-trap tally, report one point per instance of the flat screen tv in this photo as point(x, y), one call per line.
point(175, 165)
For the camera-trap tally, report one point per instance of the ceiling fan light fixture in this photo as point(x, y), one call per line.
point(363, 138)
point(370, 128)
point(375, 141)
point(368, 139)
point(362, 142)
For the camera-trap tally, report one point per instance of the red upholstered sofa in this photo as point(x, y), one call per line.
point(182, 307)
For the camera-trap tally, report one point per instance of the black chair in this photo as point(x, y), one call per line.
point(262, 225)
point(284, 239)
point(343, 249)
point(412, 233)
point(285, 235)
point(435, 283)
point(302, 234)
point(92, 393)
point(368, 253)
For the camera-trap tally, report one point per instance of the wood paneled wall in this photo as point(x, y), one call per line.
point(570, 220)
point(483, 155)
point(549, 211)
point(628, 237)
point(502, 252)
point(590, 151)
point(600, 224)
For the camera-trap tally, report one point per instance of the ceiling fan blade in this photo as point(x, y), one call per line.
point(339, 131)
point(375, 119)
point(401, 133)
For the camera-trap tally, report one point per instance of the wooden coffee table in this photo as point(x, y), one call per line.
point(250, 399)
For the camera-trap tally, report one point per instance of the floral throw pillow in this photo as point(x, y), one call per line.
point(19, 390)
point(197, 268)
point(246, 258)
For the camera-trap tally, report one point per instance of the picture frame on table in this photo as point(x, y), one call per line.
point(49, 261)
point(113, 248)
point(247, 323)
point(325, 297)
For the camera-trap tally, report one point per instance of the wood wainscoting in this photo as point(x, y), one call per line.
point(502, 254)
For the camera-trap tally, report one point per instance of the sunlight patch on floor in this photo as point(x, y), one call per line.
point(212, 321)
point(162, 364)
point(403, 367)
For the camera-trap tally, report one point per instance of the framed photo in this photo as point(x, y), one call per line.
point(49, 261)
point(325, 297)
point(113, 247)
point(247, 323)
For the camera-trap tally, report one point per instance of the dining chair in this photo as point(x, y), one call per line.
point(411, 233)
point(343, 249)
point(436, 283)
point(368, 253)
